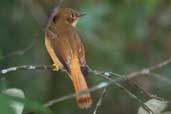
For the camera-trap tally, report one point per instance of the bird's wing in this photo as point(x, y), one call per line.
point(81, 54)
point(59, 48)
point(65, 44)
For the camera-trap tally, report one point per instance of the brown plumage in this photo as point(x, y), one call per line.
point(67, 51)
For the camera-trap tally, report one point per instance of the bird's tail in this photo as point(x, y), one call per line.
point(79, 82)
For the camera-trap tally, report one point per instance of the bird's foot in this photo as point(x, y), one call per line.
point(55, 67)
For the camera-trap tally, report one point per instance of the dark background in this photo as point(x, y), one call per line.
point(121, 36)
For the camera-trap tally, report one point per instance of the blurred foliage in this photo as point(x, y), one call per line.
point(29, 104)
point(119, 36)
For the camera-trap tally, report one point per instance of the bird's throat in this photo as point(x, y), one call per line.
point(74, 23)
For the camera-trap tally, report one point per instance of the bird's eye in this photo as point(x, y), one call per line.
point(72, 15)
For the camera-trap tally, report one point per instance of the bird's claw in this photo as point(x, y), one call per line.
point(55, 67)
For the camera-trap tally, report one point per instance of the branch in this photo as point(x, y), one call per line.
point(25, 67)
point(162, 78)
point(148, 70)
point(128, 76)
point(99, 102)
point(105, 75)
point(148, 94)
point(97, 87)
point(19, 52)
point(132, 95)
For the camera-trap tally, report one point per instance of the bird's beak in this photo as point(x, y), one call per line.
point(81, 14)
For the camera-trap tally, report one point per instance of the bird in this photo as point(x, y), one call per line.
point(67, 51)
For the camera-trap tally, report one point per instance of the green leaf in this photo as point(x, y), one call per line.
point(29, 104)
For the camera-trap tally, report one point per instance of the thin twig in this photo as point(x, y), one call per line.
point(100, 100)
point(162, 64)
point(70, 96)
point(97, 87)
point(19, 52)
point(162, 78)
point(105, 75)
point(132, 95)
point(54, 13)
point(128, 76)
point(148, 94)
point(25, 67)
point(148, 70)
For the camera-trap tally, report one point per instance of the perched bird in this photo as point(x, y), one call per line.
point(64, 45)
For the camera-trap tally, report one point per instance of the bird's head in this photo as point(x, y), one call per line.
point(68, 16)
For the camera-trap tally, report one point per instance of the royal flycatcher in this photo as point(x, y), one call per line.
point(67, 51)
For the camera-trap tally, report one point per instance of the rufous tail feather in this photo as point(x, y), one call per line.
point(84, 101)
